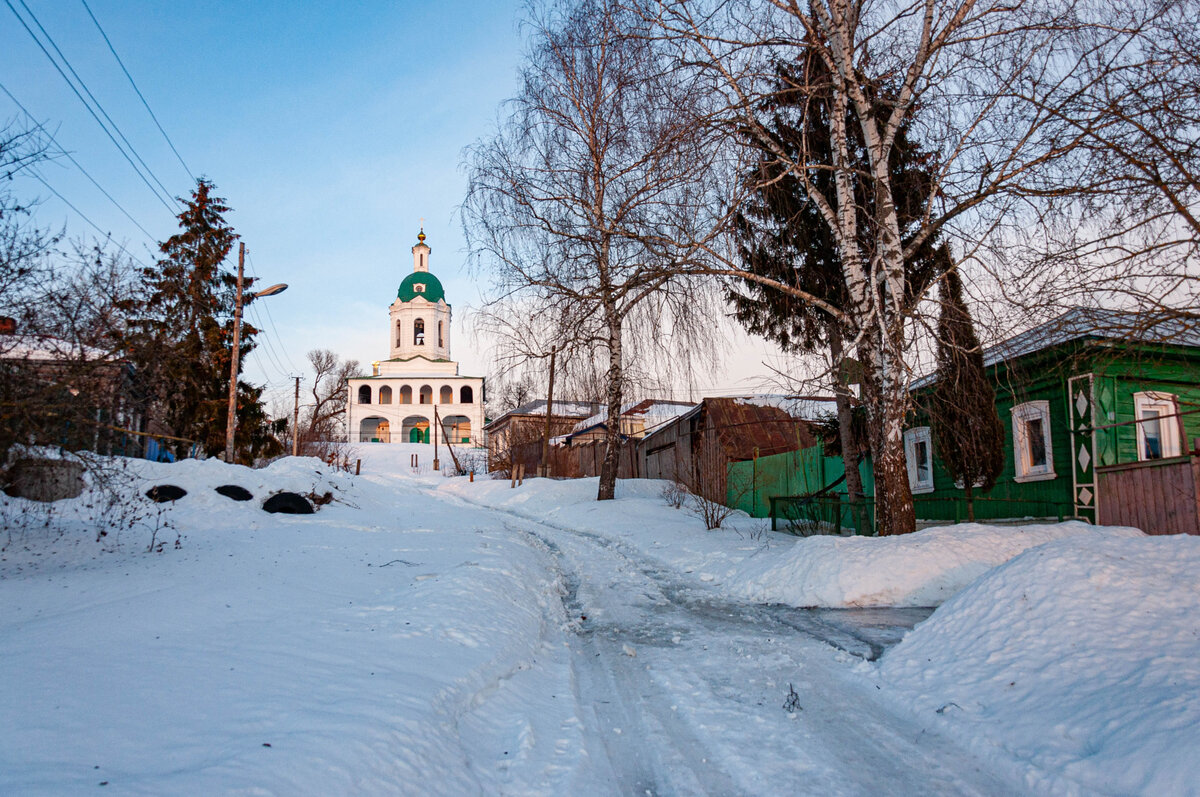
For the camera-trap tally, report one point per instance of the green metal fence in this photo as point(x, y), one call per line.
point(832, 513)
point(751, 485)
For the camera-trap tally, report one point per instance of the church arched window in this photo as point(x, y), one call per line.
point(364, 394)
point(406, 395)
point(446, 395)
point(440, 336)
point(385, 395)
point(419, 332)
point(426, 394)
point(466, 395)
point(399, 333)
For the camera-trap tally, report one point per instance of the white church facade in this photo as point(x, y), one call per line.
point(418, 388)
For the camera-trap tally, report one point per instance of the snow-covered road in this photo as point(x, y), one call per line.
point(682, 691)
point(424, 635)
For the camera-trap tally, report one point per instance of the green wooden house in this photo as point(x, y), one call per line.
point(1083, 398)
point(1101, 415)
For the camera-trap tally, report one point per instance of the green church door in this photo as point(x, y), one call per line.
point(415, 436)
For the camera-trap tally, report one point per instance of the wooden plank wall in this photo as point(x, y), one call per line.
point(1158, 497)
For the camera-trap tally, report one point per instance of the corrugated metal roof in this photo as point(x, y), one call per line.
point(746, 429)
point(1090, 323)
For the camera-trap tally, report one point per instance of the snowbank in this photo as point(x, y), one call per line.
point(380, 644)
point(747, 561)
point(921, 569)
point(1080, 657)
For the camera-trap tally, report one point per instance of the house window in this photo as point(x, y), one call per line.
point(1158, 425)
point(419, 332)
point(1031, 441)
point(918, 453)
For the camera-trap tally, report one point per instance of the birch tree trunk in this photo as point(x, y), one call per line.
point(613, 395)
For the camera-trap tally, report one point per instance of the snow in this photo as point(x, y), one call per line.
point(347, 651)
point(921, 569)
point(654, 413)
point(1080, 657)
point(42, 348)
point(809, 409)
point(422, 634)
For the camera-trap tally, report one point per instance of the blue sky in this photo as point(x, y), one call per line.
point(330, 129)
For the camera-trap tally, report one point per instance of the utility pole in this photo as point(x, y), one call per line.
point(436, 424)
point(544, 466)
point(231, 420)
point(296, 420)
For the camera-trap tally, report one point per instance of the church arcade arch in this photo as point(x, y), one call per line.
point(446, 395)
point(426, 394)
point(419, 332)
point(466, 395)
point(415, 429)
point(385, 395)
point(406, 394)
point(456, 428)
point(364, 394)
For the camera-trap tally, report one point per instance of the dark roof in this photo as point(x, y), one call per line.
point(746, 423)
point(748, 429)
point(1088, 323)
point(1083, 323)
point(569, 410)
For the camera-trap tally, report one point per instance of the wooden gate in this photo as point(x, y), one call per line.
point(1158, 496)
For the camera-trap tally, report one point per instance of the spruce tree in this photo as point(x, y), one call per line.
point(782, 234)
point(182, 330)
point(966, 428)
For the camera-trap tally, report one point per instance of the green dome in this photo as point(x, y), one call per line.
point(432, 290)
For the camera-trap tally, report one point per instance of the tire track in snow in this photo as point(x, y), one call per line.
point(845, 740)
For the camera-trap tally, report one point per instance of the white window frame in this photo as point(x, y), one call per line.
point(1166, 404)
point(1022, 453)
point(911, 438)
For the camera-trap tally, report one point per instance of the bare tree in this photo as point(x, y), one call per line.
point(995, 88)
point(578, 198)
point(323, 417)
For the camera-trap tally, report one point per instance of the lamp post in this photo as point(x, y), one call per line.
point(231, 421)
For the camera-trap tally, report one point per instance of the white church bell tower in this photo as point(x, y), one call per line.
point(420, 316)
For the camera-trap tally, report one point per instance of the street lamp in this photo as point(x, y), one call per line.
point(231, 421)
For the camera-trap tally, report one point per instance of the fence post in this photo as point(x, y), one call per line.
point(358, 467)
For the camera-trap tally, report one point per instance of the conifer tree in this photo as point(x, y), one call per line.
point(182, 330)
point(783, 236)
point(966, 428)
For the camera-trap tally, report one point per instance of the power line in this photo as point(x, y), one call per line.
point(113, 50)
point(86, 105)
point(75, 162)
point(95, 101)
point(271, 319)
point(84, 216)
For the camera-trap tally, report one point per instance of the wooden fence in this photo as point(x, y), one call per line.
point(577, 462)
point(1158, 496)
